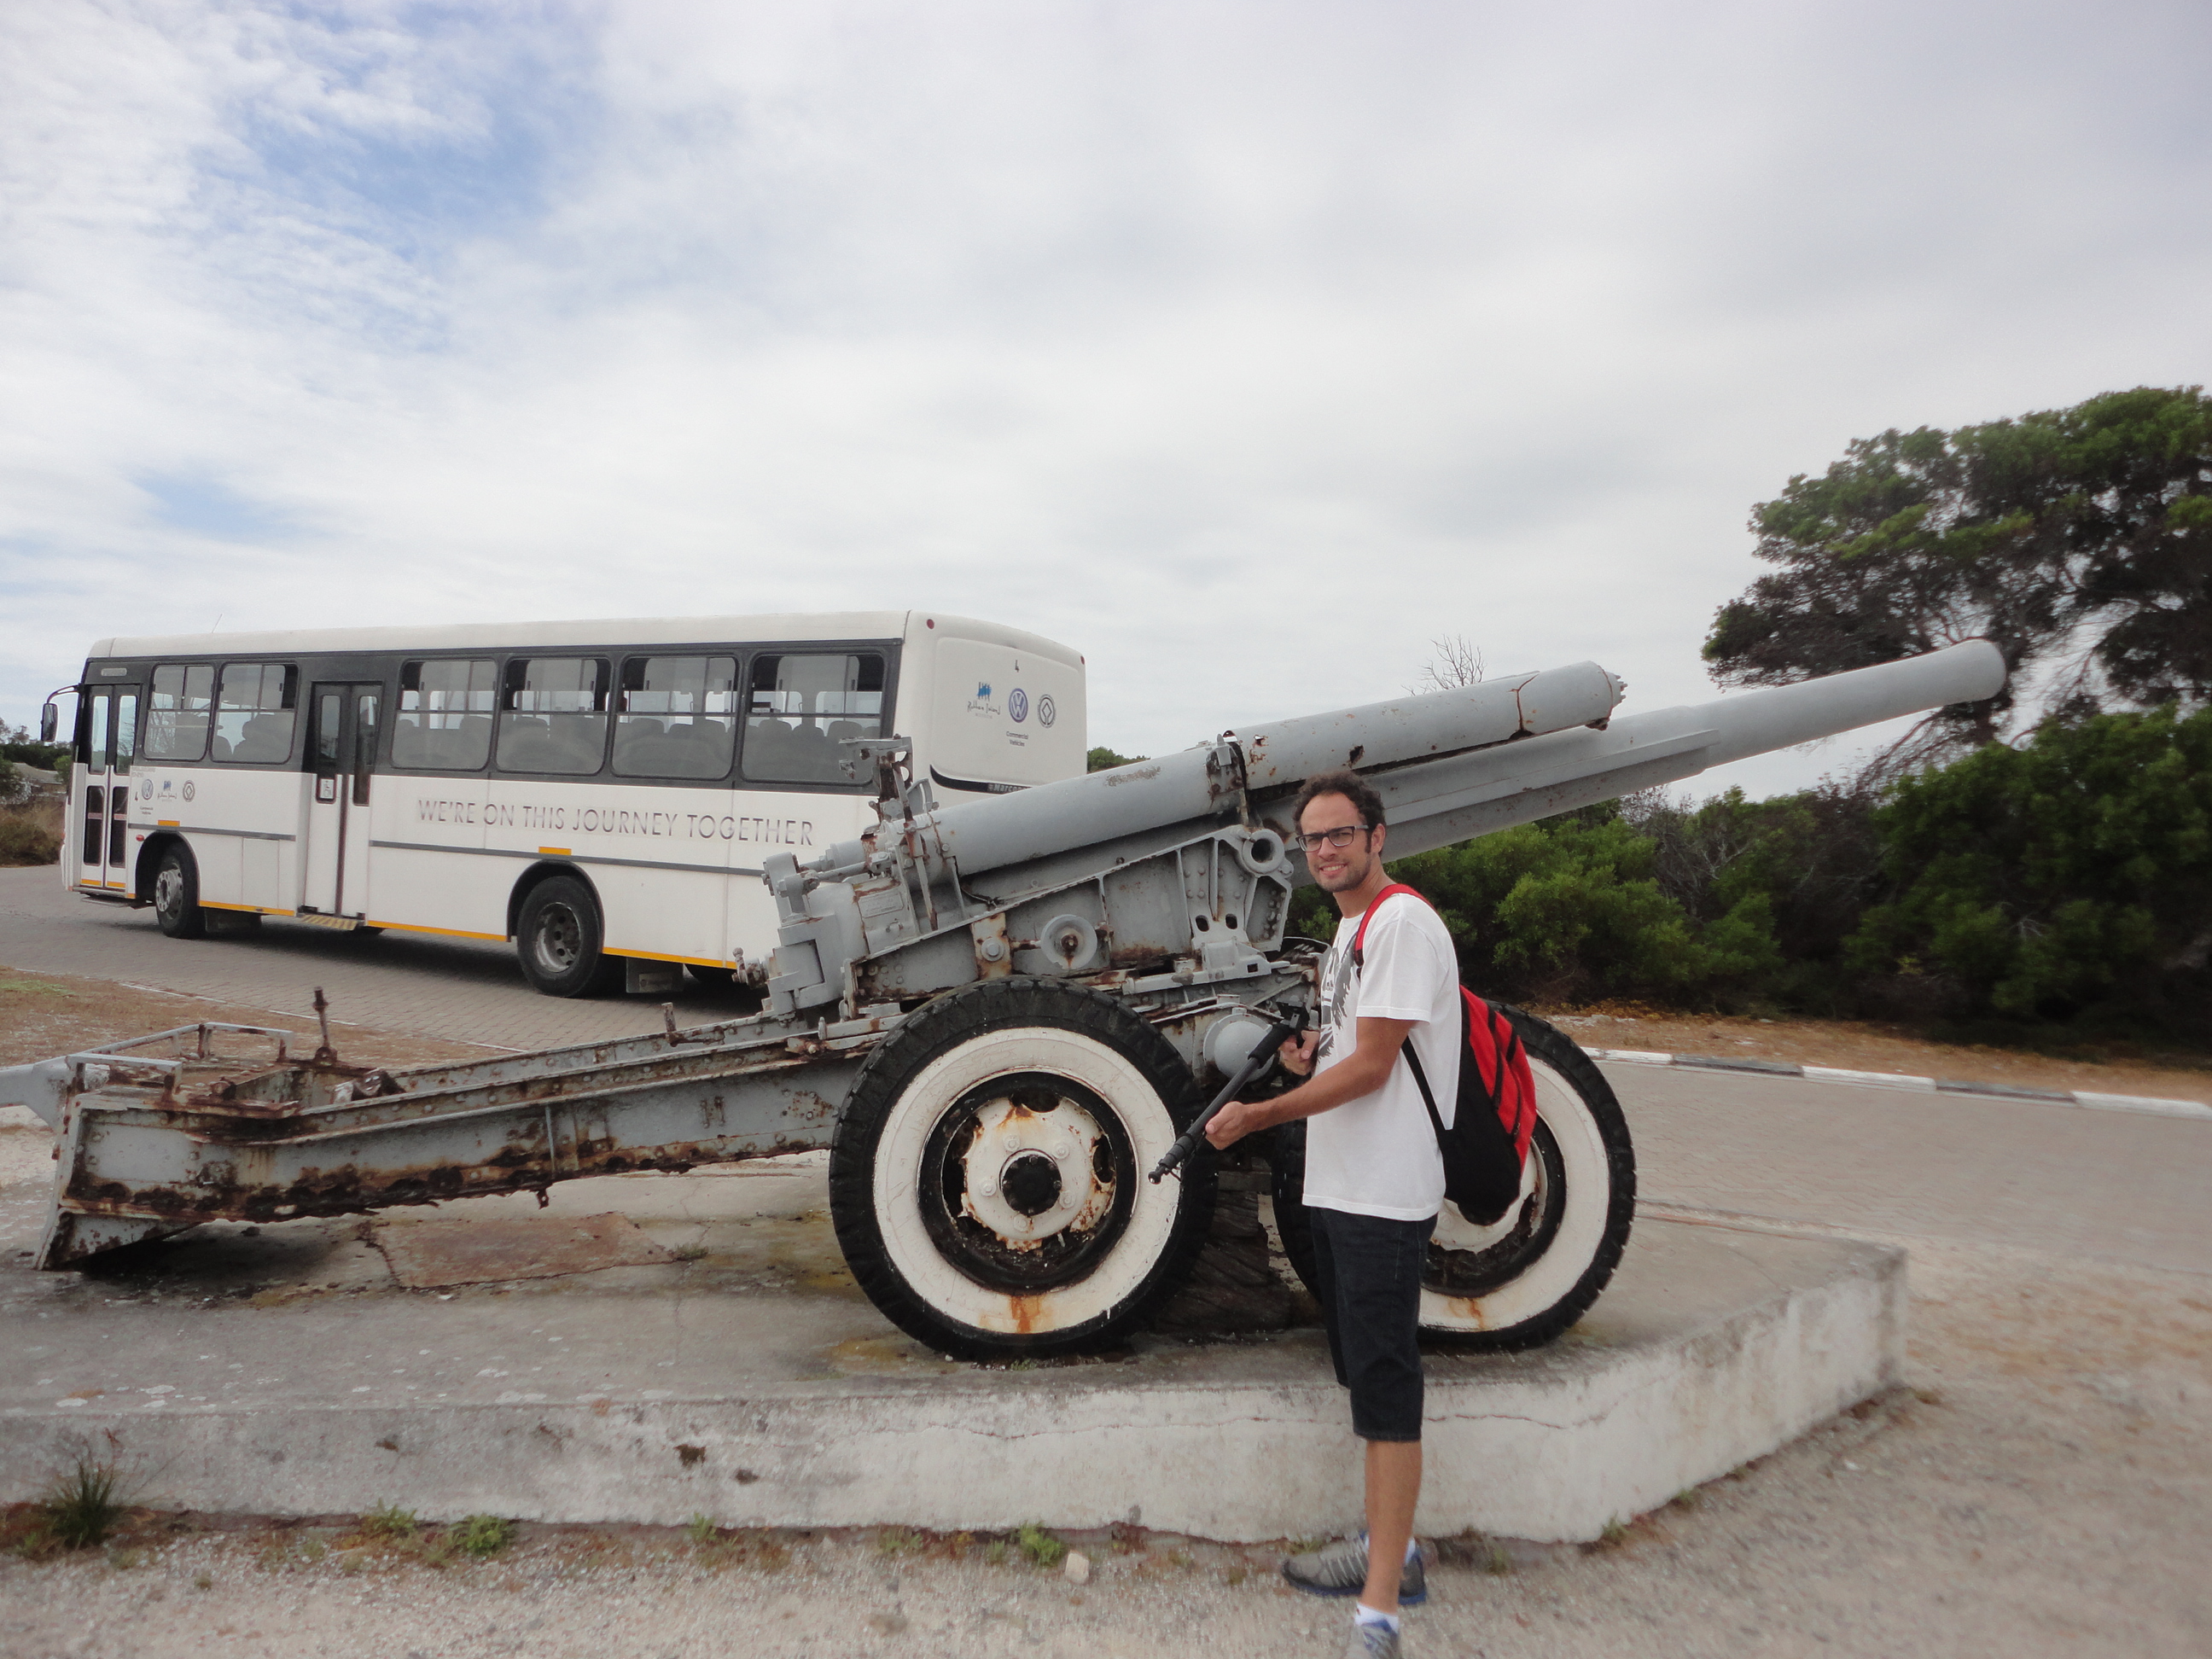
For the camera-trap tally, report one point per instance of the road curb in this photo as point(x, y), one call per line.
point(2153, 1105)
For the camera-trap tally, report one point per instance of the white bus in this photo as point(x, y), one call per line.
point(601, 792)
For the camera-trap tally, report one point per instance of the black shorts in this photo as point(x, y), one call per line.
point(1370, 1270)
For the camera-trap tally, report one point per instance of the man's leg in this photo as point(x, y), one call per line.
point(1394, 1487)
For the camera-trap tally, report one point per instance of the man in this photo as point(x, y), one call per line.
point(1373, 1180)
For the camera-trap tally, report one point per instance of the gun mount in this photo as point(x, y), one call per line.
point(997, 1017)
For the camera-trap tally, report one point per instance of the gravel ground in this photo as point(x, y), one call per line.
point(2043, 1488)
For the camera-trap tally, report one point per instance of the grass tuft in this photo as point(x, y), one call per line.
point(390, 1521)
point(1040, 1546)
point(481, 1536)
point(702, 1529)
point(80, 1509)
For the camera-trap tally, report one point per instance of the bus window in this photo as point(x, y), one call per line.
point(553, 717)
point(445, 715)
point(254, 710)
point(802, 706)
point(677, 717)
point(177, 712)
point(126, 731)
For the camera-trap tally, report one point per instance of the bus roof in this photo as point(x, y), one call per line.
point(598, 631)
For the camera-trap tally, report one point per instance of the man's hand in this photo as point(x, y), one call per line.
point(1237, 1120)
point(1297, 1053)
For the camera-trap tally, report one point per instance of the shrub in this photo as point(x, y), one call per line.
point(2072, 874)
point(31, 833)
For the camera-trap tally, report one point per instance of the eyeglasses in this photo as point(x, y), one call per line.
point(1333, 837)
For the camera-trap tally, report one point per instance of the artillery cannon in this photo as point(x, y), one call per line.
point(997, 1017)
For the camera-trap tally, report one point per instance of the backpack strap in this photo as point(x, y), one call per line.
point(1359, 962)
point(1359, 935)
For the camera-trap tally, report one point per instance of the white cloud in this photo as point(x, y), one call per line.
point(1248, 348)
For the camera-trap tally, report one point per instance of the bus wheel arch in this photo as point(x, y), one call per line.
point(168, 877)
point(558, 924)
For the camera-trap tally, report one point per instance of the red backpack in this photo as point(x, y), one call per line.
point(1487, 1143)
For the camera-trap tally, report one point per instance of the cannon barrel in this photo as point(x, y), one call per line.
point(981, 836)
point(1455, 798)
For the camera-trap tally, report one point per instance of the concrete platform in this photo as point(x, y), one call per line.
point(288, 1372)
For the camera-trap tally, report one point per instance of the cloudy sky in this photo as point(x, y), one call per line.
point(1249, 347)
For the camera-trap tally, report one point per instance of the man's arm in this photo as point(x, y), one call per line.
point(1362, 1072)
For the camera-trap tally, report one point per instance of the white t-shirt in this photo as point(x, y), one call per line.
point(1377, 1155)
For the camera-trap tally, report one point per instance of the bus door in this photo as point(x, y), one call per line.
point(108, 725)
point(342, 722)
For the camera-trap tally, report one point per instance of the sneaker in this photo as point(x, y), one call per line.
point(1341, 1569)
point(1372, 1642)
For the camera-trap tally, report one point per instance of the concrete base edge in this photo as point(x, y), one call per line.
point(1551, 1447)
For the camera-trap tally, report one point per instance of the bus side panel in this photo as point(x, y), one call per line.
point(240, 823)
point(426, 862)
point(654, 854)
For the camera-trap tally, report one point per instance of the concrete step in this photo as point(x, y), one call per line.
point(736, 1372)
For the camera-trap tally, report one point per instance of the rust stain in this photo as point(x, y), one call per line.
point(1469, 1309)
point(1024, 1309)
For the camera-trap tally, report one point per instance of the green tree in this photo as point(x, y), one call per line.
point(2072, 874)
point(2079, 540)
point(1105, 760)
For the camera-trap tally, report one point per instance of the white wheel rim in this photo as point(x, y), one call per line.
point(1587, 1178)
point(901, 1147)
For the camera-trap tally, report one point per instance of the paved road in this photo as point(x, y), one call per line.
point(2116, 1186)
point(394, 981)
point(2097, 1184)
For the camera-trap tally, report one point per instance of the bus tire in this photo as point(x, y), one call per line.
point(559, 935)
point(986, 1173)
point(1530, 1277)
point(176, 893)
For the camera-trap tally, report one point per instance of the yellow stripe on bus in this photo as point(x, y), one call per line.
point(562, 851)
point(655, 956)
point(450, 932)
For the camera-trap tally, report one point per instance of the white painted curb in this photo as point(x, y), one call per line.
point(2155, 1105)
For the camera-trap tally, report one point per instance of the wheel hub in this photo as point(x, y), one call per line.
point(559, 937)
point(1029, 1170)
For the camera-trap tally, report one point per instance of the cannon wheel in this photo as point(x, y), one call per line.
point(987, 1175)
point(1529, 1277)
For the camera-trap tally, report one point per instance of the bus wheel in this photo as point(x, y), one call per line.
point(558, 940)
point(987, 1175)
point(176, 893)
point(1527, 1279)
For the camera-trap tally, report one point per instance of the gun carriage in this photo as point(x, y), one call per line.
point(997, 1017)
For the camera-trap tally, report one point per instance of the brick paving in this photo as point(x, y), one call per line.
point(414, 983)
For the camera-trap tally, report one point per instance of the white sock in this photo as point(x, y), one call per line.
point(1412, 1547)
point(1364, 1614)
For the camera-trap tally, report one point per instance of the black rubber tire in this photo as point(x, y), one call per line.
point(558, 938)
point(937, 1269)
point(176, 893)
point(1569, 1087)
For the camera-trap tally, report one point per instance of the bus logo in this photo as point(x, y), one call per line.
point(1018, 704)
point(1046, 712)
point(983, 691)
